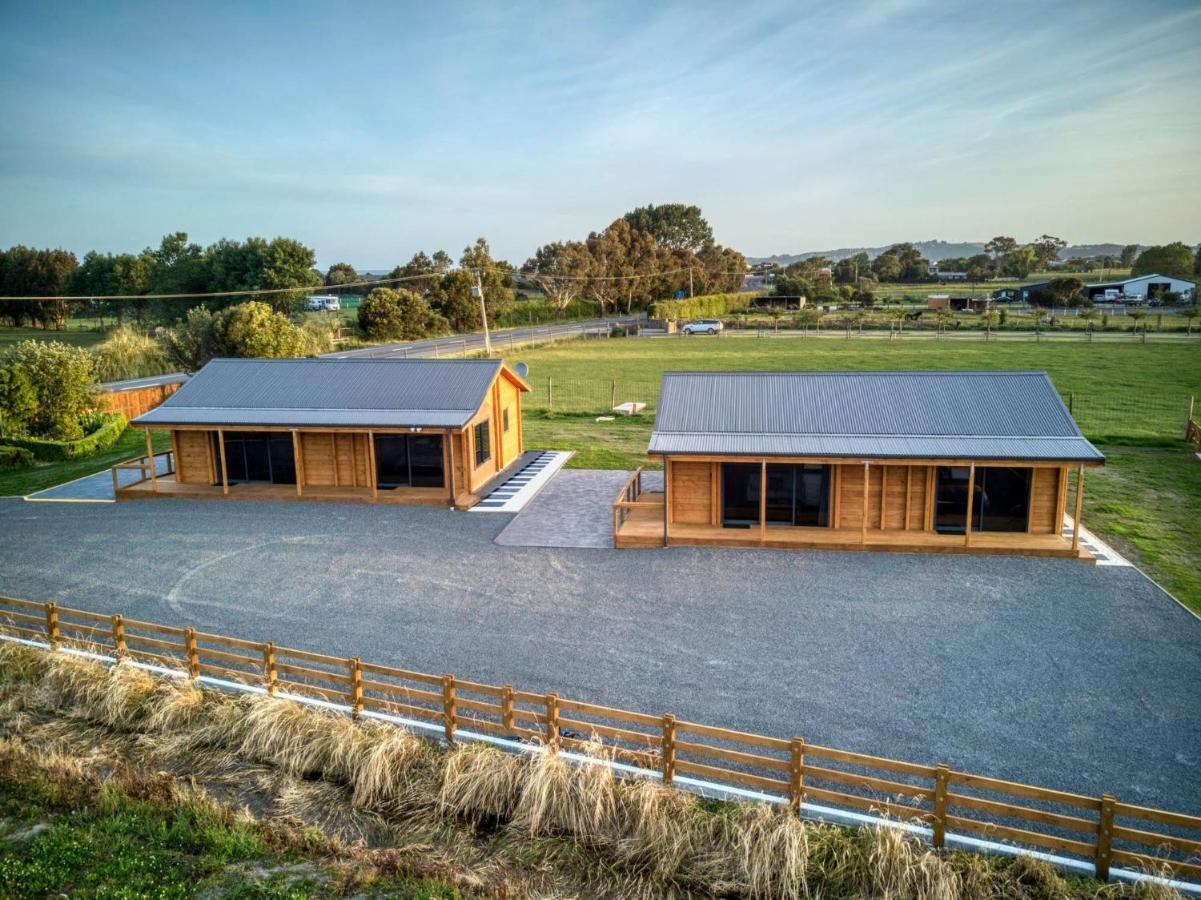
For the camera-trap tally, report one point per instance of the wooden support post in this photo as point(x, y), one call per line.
point(372, 477)
point(1105, 837)
point(192, 650)
point(1079, 508)
point(450, 440)
point(908, 496)
point(762, 501)
point(550, 393)
point(115, 484)
point(883, 495)
point(552, 721)
point(867, 471)
point(297, 462)
point(449, 713)
point(666, 496)
point(119, 636)
point(796, 769)
point(270, 676)
point(506, 708)
point(150, 454)
point(612, 393)
point(52, 633)
point(355, 668)
point(971, 498)
point(224, 467)
point(667, 749)
point(942, 778)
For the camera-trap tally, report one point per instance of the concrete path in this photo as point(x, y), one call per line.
point(573, 510)
point(1045, 671)
point(96, 488)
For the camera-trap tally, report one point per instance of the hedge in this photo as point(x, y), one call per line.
point(14, 458)
point(112, 425)
point(706, 306)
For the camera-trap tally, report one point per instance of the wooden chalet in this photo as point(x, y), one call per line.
point(423, 431)
point(941, 462)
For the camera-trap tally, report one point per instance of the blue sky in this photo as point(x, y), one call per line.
point(372, 131)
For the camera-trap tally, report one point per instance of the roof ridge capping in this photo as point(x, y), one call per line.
point(859, 372)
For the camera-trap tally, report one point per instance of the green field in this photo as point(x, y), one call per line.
point(1129, 398)
point(43, 475)
point(79, 334)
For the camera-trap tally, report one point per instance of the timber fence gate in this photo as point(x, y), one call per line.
point(1100, 831)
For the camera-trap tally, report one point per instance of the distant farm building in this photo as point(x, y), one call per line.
point(1144, 287)
point(779, 301)
point(958, 304)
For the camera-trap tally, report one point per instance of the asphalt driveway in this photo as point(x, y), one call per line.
point(1046, 671)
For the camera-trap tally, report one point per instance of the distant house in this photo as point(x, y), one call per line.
point(425, 431)
point(936, 462)
point(1143, 287)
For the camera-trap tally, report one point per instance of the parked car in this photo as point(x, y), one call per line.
point(702, 326)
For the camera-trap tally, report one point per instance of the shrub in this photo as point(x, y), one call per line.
point(708, 305)
point(254, 329)
point(398, 314)
point(103, 432)
point(14, 458)
point(189, 344)
point(65, 386)
point(18, 399)
point(128, 354)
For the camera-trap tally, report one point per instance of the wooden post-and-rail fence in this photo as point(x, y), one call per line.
point(1101, 830)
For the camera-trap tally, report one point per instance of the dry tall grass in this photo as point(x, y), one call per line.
point(649, 839)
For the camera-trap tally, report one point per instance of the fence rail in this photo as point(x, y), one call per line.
point(1100, 830)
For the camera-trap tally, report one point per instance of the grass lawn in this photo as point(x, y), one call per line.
point(77, 334)
point(43, 475)
point(1130, 399)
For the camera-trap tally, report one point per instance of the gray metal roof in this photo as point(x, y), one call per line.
point(418, 393)
point(935, 415)
point(133, 384)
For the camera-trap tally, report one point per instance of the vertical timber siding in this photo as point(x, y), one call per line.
point(193, 463)
point(692, 492)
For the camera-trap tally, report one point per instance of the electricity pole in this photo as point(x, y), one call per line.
point(690, 281)
point(478, 290)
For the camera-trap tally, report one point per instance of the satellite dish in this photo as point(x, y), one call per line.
point(521, 369)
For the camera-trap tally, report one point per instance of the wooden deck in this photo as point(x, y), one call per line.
point(642, 526)
point(168, 487)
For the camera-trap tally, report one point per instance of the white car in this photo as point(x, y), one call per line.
point(324, 303)
point(702, 326)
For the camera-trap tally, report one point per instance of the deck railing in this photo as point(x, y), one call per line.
point(628, 498)
point(1099, 830)
point(145, 466)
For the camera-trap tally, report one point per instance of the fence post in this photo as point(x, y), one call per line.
point(52, 633)
point(189, 644)
point(269, 673)
point(356, 685)
point(506, 708)
point(796, 767)
point(668, 749)
point(1071, 402)
point(448, 707)
point(550, 393)
point(1188, 420)
point(552, 721)
point(119, 635)
point(942, 776)
point(1105, 837)
point(612, 393)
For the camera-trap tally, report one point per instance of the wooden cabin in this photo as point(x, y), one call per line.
point(426, 431)
point(139, 395)
point(943, 462)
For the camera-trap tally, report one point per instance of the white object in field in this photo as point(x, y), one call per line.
point(605, 418)
point(628, 409)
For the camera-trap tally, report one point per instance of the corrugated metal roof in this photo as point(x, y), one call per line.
point(428, 393)
point(944, 415)
point(132, 384)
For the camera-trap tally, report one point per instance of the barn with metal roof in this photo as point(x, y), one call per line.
point(393, 430)
point(939, 461)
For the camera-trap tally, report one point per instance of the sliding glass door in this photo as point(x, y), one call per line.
point(408, 460)
point(1000, 499)
point(257, 457)
point(797, 494)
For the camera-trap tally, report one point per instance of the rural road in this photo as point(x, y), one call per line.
point(457, 345)
point(1043, 671)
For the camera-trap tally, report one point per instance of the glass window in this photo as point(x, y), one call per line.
point(1002, 499)
point(739, 494)
point(483, 443)
point(265, 457)
point(797, 494)
point(504, 418)
point(408, 460)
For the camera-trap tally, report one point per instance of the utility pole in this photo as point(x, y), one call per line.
point(478, 290)
point(690, 294)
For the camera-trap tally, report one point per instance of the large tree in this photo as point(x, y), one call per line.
point(1046, 250)
point(340, 273)
point(1129, 254)
point(398, 314)
point(27, 272)
point(673, 225)
point(1000, 245)
point(259, 264)
point(561, 271)
point(1174, 260)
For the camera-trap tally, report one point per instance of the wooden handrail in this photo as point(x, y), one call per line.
point(629, 494)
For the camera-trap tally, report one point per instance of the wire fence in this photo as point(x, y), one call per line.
point(1099, 415)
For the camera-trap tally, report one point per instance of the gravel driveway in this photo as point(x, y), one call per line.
point(1046, 671)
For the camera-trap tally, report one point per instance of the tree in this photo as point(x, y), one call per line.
point(27, 272)
point(887, 267)
point(1129, 253)
point(1046, 250)
point(190, 343)
point(64, 383)
point(101, 275)
point(420, 265)
point(495, 275)
point(1174, 260)
point(397, 314)
point(340, 273)
point(793, 286)
point(850, 269)
point(560, 270)
point(1066, 291)
point(1018, 263)
point(979, 268)
point(1000, 246)
point(257, 264)
point(254, 329)
point(673, 225)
